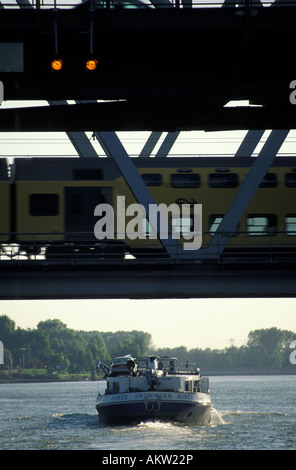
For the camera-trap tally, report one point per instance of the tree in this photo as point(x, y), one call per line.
point(121, 343)
point(266, 347)
point(60, 348)
point(7, 327)
point(8, 360)
point(52, 326)
point(96, 346)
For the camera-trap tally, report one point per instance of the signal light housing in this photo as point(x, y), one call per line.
point(56, 64)
point(91, 64)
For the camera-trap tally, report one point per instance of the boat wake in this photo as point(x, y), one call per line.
point(229, 416)
point(156, 425)
point(217, 417)
point(72, 420)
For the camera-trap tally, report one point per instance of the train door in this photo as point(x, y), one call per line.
point(80, 203)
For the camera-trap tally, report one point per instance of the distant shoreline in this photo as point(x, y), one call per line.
point(216, 372)
point(204, 372)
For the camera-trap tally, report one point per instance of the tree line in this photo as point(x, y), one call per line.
point(54, 346)
point(265, 349)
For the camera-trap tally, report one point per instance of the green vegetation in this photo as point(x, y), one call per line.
point(53, 350)
point(56, 349)
point(265, 349)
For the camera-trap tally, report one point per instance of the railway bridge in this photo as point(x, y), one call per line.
point(162, 67)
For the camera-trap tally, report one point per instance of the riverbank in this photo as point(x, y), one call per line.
point(253, 371)
point(12, 378)
point(6, 378)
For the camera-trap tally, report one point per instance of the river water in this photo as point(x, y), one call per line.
point(249, 413)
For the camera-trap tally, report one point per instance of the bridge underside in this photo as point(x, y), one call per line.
point(161, 115)
point(132, 281)
point(168, 69)
point(159, 70)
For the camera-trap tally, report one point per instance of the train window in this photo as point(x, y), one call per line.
point(182, 225)
point(214, 222)
point(290, 180)
point(261, 224)
point(223, 180)
point(152, 179)
point(185, 180)
point(290, 222)
point(87, 174)
point(269, 181)
point(146, 228)
point(44, 204)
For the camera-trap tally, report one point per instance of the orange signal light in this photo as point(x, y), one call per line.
point(91, 64)
point(56, 64)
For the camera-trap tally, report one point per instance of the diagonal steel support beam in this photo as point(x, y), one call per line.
point(167, 144)
point(244, 195)
point(114, 149)
point(162, 3)
point(250, 142)
point(150, 144)
point(24, 4)
point(78, 139)
point(165, 147)
point(82, 144)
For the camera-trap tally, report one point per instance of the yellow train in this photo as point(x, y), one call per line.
point(48, 203)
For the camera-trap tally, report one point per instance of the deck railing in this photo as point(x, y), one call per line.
point(243, 247)
point(130, 4)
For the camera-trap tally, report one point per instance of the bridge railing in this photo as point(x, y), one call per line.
point(248, 248)
point(142, 4)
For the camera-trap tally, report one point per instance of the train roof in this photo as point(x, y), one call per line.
point(63, 169)
point(68, 168)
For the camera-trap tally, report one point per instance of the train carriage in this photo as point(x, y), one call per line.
point(5, 221)
point(50, 202)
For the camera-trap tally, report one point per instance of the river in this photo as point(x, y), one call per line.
point(249, 413)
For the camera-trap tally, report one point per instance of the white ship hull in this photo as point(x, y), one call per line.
point(191, 408)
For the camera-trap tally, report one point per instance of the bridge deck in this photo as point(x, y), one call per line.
point(132, 280)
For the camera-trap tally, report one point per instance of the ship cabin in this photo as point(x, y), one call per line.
point(158, 374)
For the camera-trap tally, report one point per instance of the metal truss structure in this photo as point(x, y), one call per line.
point(115, 150)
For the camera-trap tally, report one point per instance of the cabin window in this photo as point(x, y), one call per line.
point(172, 366)
point(223, 180)
point(196, 386)
point(152, 179)
point(290, 222)
point(290, 180)
point(115, 387)
point(261, 224)
point(44, 204)
point(181, 180)
point(188, 386)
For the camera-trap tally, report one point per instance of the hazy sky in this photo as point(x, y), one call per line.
point(214, 323)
